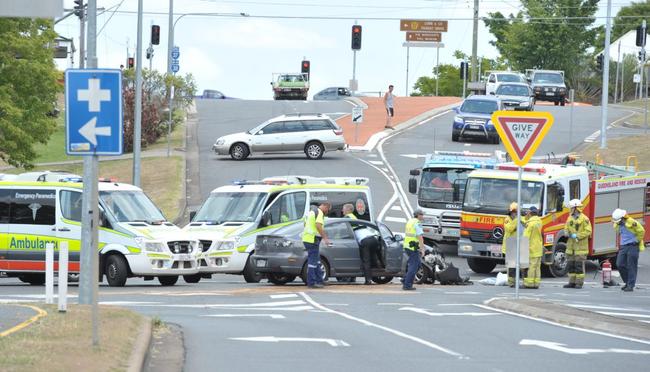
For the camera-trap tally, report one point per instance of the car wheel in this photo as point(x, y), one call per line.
point(559, 267)
point(116, 270)
point(324, 267)
point(423, 275)
point(495, 140)
point(481, 265)
point(280, 279)
point(314, 150)
point(382, 279)
point(250, 276)
point(556, 103)
point(194, 278)
point(562, 102)
point(455, 136)
point(239, 151)
point(168, 281)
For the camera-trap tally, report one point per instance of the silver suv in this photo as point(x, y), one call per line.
point(313, 134)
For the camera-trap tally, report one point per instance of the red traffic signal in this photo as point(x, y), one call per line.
point(305, 67)
point(356, 37)
point(155, 34)
point(130, 62)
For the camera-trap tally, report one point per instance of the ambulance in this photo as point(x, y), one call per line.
point(229, 221)
point(549, 187)
point(135, 239)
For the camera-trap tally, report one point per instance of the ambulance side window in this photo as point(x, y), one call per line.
point(574, 189)
point(4, 206)
point(288, 207)
point(32, 207)
point(71, 205)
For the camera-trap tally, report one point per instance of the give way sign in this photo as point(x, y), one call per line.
point(522, 132)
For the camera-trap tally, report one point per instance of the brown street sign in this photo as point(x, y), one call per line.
point(422, 25)
point(424, 36)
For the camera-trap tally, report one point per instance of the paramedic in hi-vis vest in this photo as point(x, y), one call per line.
point(578, 230)
point(414, 247)
point(509, 230)
point(631, 243)
point(311, 237)
point(533, 232)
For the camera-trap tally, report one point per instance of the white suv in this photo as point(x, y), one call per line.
point(313, 134)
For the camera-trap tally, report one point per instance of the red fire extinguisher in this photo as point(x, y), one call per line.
point(607, 273)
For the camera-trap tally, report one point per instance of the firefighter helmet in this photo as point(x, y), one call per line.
point(575, 203)
point(618, 214)
point(513, 207)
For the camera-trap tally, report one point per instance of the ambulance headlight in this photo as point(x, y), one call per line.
point(226, 245)
point(150, 246)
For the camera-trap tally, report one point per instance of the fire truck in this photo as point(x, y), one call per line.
point(549, 187)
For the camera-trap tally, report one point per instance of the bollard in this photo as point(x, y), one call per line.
point(63, 277)
point(49, 273)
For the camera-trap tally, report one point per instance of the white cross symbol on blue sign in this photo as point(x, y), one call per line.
point(93, 112)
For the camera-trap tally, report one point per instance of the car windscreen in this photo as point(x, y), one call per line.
point(130, 206)
point(257, 128)
point(489, 195)
point(508, 78)
point(441, 185)
point(513, 90)
point(548, 77)
point(231, 207)
point(476, 106)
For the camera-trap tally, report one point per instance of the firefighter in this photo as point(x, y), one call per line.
point(631, 243)
point(414, 247)
point(533, 232)
point(578, 230)
point(510, 229)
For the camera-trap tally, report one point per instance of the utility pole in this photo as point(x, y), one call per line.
point(170, 47)
point(605, 93)
point(82, 37)
point(437, 68)
point(618, 68)
point(475, 40)
point(137, 127)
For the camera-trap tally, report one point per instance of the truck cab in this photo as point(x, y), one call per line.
point(442, 187)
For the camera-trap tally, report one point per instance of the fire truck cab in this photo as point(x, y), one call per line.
point(549, 187)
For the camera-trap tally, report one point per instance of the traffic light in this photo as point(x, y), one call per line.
point(356, 37)
point(130, 62)
point(155, 34)
point(599, 62)
point(305, 67)
point(79, 8)
point(640, 36)
point(463, 70)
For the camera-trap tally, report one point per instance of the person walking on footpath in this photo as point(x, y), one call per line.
point(631, 235)
point(578, 229)
point(533, 232)
point(510, 224)
point(312, 235)
point(414, 247)
point(390, 107)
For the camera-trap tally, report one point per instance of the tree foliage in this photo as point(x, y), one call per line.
point(621, 24)
point(546, 34)
point(28, 87)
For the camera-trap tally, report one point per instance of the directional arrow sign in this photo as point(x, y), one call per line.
point(90, 131)
point(331, 342)
point(556, 346)
point(522, 132)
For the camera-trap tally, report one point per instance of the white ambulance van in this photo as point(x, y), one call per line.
point(135, 240)
point(229, 221)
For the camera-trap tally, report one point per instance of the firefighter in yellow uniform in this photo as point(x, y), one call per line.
point(509, 230)
point(578, 230)
point(533, 232)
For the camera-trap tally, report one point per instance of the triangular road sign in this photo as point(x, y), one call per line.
point(522, 132)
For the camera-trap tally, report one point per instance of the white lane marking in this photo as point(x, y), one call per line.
point(395, 219)
point(463, 293)
point(645, 321)
point(376, 162)
point(607, 308)
point(284, 295)
point(467, 145)
point(128, 303)
point(396, 208)
point(556, 346)
point(413, 156)
point(623, 314)
point(393, 304)
point(329, 341)
point(272, 316)
point(231, 307)
point(10, 301)
point(385, 169)
point(456, 304)
point(425, 312)
point(334, 304)
point(392, 199)
point(488, 307)
point(373, 156)
point(383, 328)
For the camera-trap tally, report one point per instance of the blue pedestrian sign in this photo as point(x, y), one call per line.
point(93, 116)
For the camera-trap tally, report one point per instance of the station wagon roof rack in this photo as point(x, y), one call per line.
point(304, 114)
point(306, 180)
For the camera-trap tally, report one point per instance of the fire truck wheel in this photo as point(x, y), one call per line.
point(559, 267)
point(481, 265)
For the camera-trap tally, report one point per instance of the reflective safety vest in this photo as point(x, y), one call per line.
point(581, 226)
point(351, 216)
point(411, 234)
point(533, 232)
point(310, 231)
point(635, 228)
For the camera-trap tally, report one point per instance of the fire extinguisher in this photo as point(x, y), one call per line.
point(607, 273)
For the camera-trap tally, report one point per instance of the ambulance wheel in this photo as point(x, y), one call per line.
point(33, 279)
point(168, 281)
point(280, 279)
point(559, 267)
point(250, 276)
point(481, 265)
point(382, 279)
point(194, 278)
point(324, 268)
point(116, 270)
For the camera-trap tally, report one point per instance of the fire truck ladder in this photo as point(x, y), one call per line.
point(610, 170)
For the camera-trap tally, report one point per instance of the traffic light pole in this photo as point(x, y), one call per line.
point(605, 93)
point(407, 70)
point(437, 68)
point(170, 46)
point(137, 126)
point(82, 39)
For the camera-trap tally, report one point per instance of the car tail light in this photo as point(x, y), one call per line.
point(338, 132)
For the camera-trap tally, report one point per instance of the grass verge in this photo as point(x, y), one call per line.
point(618, 150)
point(62, 342)
point(162, 178)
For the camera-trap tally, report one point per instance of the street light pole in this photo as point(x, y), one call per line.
point(137, 127)
point(605, 93)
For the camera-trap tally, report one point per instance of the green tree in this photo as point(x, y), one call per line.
point(623, 22)
point(548, 34)
point(28, 87)
point(450, 83)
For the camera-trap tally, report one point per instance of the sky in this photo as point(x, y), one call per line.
point(238, 54)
